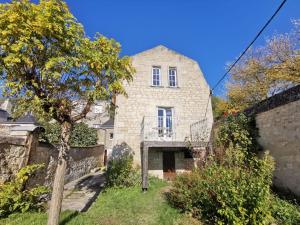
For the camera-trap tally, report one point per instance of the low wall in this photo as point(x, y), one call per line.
point(14, 154)
point(82, 160)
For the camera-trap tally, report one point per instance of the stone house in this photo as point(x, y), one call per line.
point(167, 100)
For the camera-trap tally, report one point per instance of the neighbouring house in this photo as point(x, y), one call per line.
point(106, 135)
point(98, 114)
point(168, 100)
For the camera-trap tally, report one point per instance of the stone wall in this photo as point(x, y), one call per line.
point(82, 161)
point(14, 154)
point(278, 121)
point(279, 131)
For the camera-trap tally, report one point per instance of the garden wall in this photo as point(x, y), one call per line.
point(15, 153)
point(278, 121)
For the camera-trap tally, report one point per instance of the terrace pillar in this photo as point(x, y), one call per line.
point(144, 159)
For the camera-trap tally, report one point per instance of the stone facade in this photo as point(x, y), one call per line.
point(279, 130)
point(189, 101)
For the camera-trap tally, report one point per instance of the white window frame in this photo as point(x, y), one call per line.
point(111, 136)
point(159, 76)
point(175, 76)
point(165, 130)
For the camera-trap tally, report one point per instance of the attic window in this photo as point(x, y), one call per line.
point(172, 77)
point(156, 78)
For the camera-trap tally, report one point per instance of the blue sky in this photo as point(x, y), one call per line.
point(213, 32)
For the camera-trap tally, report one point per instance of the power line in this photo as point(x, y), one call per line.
point(251, 43)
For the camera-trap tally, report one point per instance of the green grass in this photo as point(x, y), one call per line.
point(117, 207)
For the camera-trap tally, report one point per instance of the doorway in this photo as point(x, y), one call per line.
point(169, 165)
point(164, 120)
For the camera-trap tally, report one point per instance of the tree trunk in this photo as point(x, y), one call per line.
point(58, 184)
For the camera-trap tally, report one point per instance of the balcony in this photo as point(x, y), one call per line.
point(173, 129)
point(158, 128)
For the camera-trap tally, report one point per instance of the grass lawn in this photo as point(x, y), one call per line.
point(117, 207)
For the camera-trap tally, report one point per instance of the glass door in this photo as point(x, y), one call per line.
point(164, 119)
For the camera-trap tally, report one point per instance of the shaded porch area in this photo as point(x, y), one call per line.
point(164, 160)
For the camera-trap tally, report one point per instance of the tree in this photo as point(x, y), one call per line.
point(81, 135)
point(266, 70)
point(49, 64)
point(219, 106)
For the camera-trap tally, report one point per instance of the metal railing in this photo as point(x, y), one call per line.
point(158, 128)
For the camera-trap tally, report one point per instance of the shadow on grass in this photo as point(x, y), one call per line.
point(69, 218)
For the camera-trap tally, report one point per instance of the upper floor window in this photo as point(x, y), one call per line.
point(172, 77)
point(156, 78)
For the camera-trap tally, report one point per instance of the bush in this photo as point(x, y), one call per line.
point(15, 198)
point(120, 172)
point(226, 194)
point(82, 135)
point(234, 190)
point(284, 212)
point(238, 131)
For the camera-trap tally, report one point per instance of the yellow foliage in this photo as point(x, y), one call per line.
point(48, 62)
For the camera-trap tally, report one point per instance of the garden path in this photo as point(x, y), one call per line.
point(81, 193)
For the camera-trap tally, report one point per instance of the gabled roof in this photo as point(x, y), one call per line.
point(162, 47)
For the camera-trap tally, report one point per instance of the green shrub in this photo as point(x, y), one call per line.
point(235, 195)
point(15, 198)
point(82, 135)
point(284, 212)
point(121, 173)
point(238, 131)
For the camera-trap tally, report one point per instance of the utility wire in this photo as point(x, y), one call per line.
point(251, 43)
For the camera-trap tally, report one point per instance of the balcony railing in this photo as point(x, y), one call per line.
point(155, 128)
point(158, 128)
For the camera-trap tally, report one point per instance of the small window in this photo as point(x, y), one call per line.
point(111, 136)
point(156, 76)
point(172, 77)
